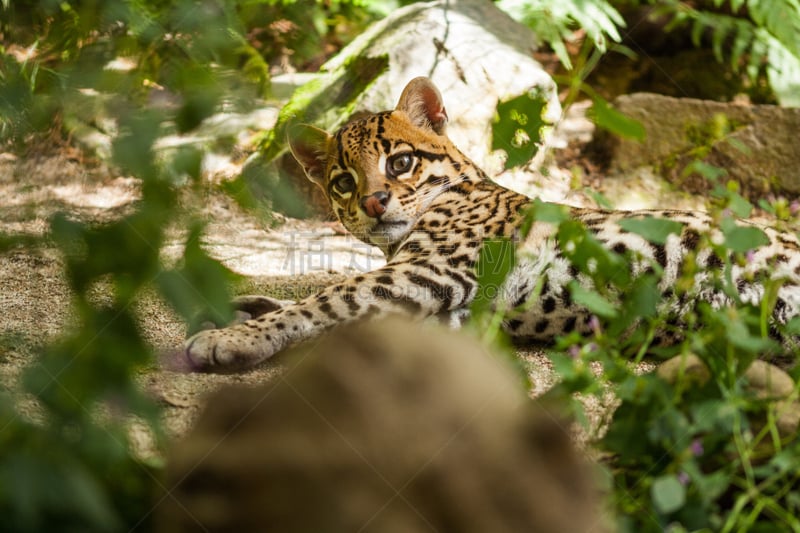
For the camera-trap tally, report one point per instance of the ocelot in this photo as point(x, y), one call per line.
point(395, 180)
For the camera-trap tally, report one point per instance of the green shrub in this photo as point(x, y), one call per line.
point(73, 467)
point(761, 37)
point(209, 53)
point(687, 455)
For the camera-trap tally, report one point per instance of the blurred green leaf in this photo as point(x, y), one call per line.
point(668, 494)
point(655, 230)
point(592, 301)
point(548, 212)
point(709, 172)
point(740, 207)
point(517, 128)
point(590, 256)
point(742, 238)
point(612, 120)
point(496, 260)
point(793, 326)
point(199, 290)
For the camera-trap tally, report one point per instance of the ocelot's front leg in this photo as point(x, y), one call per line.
point(417, 291)
point(245, 307)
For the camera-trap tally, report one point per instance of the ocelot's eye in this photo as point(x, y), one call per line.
point(399, 164)
point(344, 184)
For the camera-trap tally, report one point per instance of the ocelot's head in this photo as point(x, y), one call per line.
point(381, 172)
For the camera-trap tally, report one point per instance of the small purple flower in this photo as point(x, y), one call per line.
point(594, 324)
point(683, 478)
point(794, 207)
point(574, 351)
point(592, 347)
point(750, 255)
point(696, 447)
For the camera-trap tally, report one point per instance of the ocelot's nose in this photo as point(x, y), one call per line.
point(374, 205)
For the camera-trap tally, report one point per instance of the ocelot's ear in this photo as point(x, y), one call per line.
point(422, 102)
point(309, 145)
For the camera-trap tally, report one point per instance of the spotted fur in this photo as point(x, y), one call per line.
point(396, 181)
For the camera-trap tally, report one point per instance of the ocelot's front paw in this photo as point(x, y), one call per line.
point(225, 350)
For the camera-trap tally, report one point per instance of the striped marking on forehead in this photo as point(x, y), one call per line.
point(351, 140)
point(356, 140)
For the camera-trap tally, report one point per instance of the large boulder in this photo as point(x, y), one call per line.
point(474, 53)
point(755, 144)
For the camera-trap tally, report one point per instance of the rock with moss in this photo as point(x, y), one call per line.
point(754, 145)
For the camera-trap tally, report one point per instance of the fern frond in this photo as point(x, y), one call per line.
point(742, 39)
point(781, 18)
point(554, 21)
point(769, 40)
point(783, 73)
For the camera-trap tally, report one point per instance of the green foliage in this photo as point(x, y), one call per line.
point(517, 128)
point(73, 466)
point(148, 68)
point(200, 283)
point(688, 454)
point(756, 36)
point(761, 35)
point(210, 53)
point(682, 455)
point(655, 230)
point(612, 120)
point(52, 485)
point(554, 21)
point(496, 261)
point(77, 469)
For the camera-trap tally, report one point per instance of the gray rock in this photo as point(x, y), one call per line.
point(756, 144)
point(429, 432)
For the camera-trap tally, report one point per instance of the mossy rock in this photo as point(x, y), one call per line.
point(755, 145)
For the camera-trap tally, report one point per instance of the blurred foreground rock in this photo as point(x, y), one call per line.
point(428, 432)
point(756, 144)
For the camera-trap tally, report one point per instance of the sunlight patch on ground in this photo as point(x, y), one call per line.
point(296, 248)
point(118, 193)
point(643, 189)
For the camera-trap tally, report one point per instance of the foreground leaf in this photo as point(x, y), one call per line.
point(668, 494)
point(655, 230)
point(517, 129)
